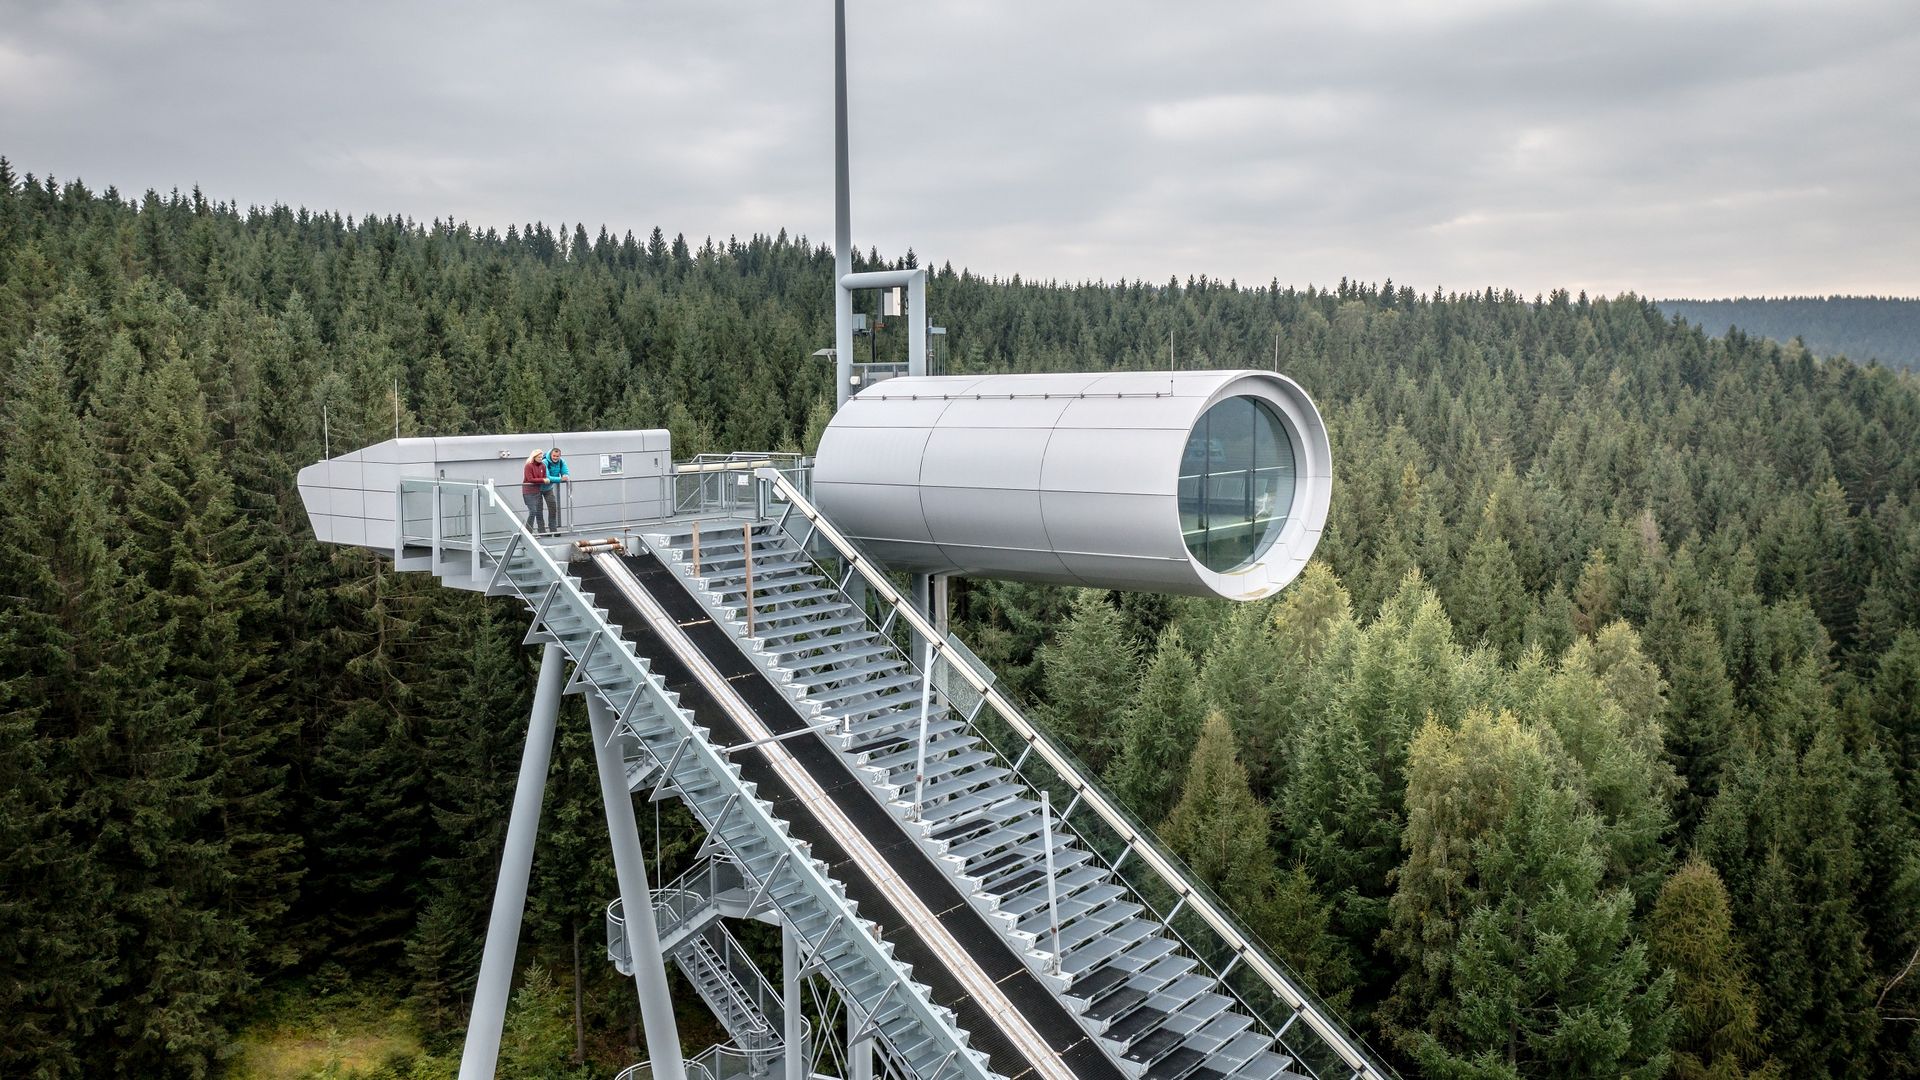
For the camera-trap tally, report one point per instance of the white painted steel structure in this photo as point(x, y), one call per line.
point(1074, 479)
point(620, 476)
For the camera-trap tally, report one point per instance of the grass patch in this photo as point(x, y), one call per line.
point(340, 1038)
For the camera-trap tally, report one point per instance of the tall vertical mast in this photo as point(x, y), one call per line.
point(842, 220)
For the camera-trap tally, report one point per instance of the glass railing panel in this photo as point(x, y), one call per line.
point(456, 515)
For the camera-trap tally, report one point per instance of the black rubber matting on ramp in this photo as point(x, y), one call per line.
point(823, 764)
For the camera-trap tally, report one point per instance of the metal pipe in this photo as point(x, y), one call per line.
point(696, 547)
point(481, 1054)
point(636, 899)
point(790, 1002)
point(746, 535)
point(926, 706)
point(1053, 892)
point(842, 216)
point(859, 1050)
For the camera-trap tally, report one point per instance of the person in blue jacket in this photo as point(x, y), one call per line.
point(556, 475)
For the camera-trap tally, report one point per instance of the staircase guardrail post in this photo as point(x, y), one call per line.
point(746, 537)
point(1053, 892)
point(920, 757)
point(696, 547)
point(474, 538)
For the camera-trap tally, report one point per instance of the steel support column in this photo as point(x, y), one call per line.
point(859, 1048)
point(842, 217)
point(636, 899)
point(482, 1051)
point(790, 1002)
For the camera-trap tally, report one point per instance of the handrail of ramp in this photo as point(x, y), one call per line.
point(1188, 893)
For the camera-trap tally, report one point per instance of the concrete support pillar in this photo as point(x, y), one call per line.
point(636, 899)
point(790, 1003)
point(482, 1051)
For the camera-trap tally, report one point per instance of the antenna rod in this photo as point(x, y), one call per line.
point(842, 217)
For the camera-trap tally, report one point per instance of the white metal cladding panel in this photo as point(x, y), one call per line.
point(876, 511)
point(884, 412)
point(1133, 413)
point(1183, 383)
point(997, 413)
point(1031, 385)
point(870, 455)
point(986, 517)
point(908, 555)
point(1142, 526)
point(921, 385)
point(984, 457)
point(1156, 575)
point(1145, 462)
point(996, 562)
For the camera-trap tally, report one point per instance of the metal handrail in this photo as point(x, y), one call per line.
point(1191, 893)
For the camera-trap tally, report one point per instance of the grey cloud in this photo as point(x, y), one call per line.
point(1706, 148)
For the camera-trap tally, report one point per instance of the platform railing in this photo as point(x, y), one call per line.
point(677, 901)
point(1268, 989)
point(724, 485)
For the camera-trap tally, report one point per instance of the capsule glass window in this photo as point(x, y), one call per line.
point(1236, 483)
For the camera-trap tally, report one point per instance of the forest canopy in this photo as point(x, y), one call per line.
point(1589, 745)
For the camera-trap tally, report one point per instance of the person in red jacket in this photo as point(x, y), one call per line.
point(533, 478)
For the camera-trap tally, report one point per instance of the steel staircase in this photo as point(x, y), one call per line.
point(1119, 967)
point(477, 537)
point(687, 915)
point(1124, 943)
point(1119, 972)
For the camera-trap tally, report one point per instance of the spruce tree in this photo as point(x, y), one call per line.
point(1158, 730)
point(1238, 679)
point(1090, 671)
point(1718, 1033)
point(1217, 825)
point(1220, 829)
point(1784, 834)
point(55, 895)
point(1701, 728)
point(1520, 961)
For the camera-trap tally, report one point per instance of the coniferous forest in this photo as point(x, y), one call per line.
point(1589, 746)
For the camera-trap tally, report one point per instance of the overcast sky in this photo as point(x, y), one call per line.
point(1669, 147)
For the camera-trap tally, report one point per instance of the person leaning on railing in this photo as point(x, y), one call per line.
point(556, 475)
point(533, 481)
